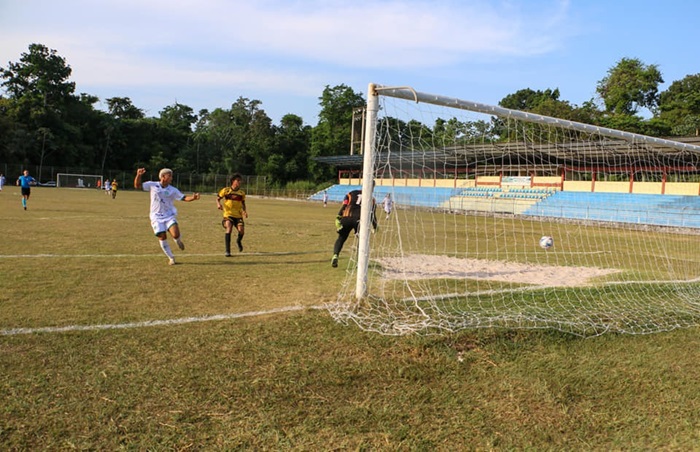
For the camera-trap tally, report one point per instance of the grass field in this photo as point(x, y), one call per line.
point(285, 379)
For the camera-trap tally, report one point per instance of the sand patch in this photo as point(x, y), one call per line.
point(422, 266)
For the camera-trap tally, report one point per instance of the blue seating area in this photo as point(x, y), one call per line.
point(336, 193)
point(661, 210)
point(407, 196)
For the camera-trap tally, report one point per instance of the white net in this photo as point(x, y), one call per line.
point(65, 180)
point(475, 192)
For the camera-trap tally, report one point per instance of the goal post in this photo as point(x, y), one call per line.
point(476, 187)
point(66, 180)
point(366, 209)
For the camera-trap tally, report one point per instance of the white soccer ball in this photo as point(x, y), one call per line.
point(546, 242)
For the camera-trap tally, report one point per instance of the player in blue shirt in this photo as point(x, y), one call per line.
point(25, 181)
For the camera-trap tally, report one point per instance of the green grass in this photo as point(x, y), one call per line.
point(293, 380)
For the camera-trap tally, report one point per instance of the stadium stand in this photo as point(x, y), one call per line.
point(660, 210)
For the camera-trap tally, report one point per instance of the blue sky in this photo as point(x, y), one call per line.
point(208, 53)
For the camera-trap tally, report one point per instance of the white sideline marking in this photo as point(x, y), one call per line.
point(149, 323)
point(279, 253)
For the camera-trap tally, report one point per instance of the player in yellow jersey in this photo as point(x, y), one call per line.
point(234, 211)
point(115, 185)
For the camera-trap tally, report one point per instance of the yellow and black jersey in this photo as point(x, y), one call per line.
point(233, 202)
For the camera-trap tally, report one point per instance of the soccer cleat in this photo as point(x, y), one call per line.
point(180, 244)
point(227, 254)
point(171, 262)
point(334, 261)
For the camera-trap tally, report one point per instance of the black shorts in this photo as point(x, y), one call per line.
point(26, 191)
point(235, 221)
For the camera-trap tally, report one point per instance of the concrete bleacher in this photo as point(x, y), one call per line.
point(515, 200)
point(661, 210)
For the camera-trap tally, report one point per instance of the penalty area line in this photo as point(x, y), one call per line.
point(151, 323)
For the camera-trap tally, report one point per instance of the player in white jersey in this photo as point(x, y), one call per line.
point(388, 205)
point(163, 212)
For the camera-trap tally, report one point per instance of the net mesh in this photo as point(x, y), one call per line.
point(475, 192)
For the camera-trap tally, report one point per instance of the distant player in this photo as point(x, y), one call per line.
point(2, 181)
point(25, 181)
point(234, 211)
point(388, 204)
point(325, 198)
point(108, 187)
point(348, 219)
point(115, 185)
point(163, 212)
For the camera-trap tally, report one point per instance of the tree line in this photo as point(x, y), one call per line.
point(44, 122)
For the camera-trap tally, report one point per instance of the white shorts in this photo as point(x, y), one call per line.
point(161, 225)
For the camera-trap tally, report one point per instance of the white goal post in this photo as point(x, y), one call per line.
point(66, 180)
point(475, 189)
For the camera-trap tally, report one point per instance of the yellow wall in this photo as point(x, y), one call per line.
point(682, 188)
point(466, 183)
point(672, 188)
point(445, 183)
point(577, 185)
point(489, 180)
point(547, 180)
point(612, 187)
point(647, 188)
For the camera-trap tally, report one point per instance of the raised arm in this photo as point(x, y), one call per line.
point(194, 197)
point(137, 180)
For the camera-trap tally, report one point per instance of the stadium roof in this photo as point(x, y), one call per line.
point(604, 153)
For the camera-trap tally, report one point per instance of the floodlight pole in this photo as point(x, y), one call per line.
point(367, 189)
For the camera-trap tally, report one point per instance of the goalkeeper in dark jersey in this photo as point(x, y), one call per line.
point(348, 219)
point(234, 211)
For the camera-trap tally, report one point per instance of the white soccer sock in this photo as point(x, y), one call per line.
point(166, 248)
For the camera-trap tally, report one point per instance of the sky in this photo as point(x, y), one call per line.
point(208, 53)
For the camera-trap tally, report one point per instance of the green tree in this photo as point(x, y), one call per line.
point(236, 140)
point(332, 134)
point(39, 78)
point(529, 100)
point(56, 123)
point(629, 86)
point(123, 108)
point(679, 106)
point(289, 158)
point(175, 132)
point(546, 103)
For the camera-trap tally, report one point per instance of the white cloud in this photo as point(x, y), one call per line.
point(294, 46)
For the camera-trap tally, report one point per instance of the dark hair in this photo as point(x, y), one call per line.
point(236, 176)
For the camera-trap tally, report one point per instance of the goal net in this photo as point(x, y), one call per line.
point(475, 188)
point(66, 180)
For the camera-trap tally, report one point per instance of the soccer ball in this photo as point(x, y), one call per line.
point(546, 242)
